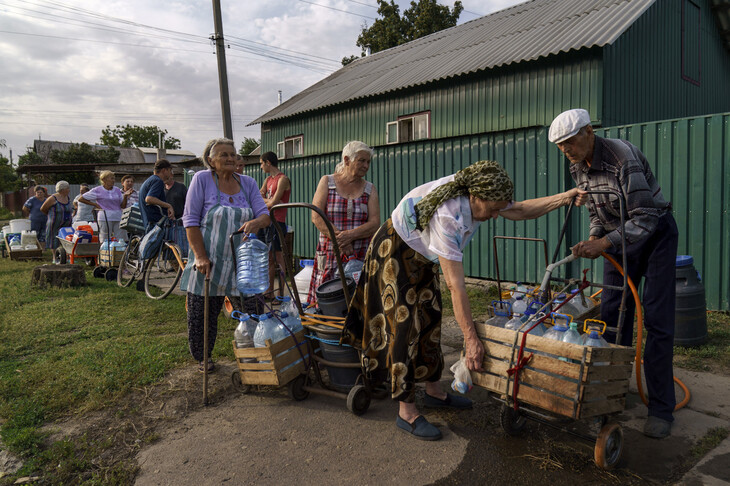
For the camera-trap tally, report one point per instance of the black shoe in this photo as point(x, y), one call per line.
point(657, 428)
point(421, 428)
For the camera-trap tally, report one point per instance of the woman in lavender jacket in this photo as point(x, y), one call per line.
point(219, 202)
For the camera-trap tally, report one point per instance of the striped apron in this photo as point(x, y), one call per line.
point(218, 224)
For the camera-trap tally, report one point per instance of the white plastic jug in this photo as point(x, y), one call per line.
point(302, 279)
point(19, 225)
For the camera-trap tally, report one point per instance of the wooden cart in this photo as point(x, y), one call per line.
point(36, 254)
point(109, 261)
point(273, 365)
point(559, 381)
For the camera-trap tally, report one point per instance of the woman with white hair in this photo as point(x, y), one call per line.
point(59, 208)
point(351, 204)
point(107, 198)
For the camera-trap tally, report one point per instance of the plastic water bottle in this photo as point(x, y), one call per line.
point(517, 321)
point(294, 323)
point(519, 306)
point(501, 313)
point(572, 336)
point(252, 266)
point(266, 329)
point(595, 340)
point(288, 305)
point(557, 332)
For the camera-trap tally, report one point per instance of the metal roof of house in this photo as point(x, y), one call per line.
point(524, 32)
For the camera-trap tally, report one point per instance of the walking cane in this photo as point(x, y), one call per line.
point(206, 304)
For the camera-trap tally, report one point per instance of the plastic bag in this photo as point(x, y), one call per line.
point(462, 378)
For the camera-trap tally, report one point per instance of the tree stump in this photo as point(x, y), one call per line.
point(58, 276)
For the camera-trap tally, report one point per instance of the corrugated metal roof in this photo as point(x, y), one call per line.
point(524, 32)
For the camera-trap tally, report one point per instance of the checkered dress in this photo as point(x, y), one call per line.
point(345, 214)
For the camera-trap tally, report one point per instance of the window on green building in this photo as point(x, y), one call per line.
point(290, 147)
point(691, 42)
point(409, 128)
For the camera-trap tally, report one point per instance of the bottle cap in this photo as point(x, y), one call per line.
point(284, 315)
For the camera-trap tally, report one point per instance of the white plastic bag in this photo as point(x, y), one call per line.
point(462, 378)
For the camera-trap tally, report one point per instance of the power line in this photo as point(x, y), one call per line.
point(337, 9)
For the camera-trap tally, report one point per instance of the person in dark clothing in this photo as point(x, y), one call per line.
point(152, 194)
point(600, 164)
point(175, 194)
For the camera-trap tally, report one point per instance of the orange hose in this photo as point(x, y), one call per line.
point(639, 341)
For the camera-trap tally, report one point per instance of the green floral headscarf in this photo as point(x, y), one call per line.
point(485, 179)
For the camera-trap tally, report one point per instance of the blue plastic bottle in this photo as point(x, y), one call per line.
point(266, 329)
point(252, 266)
point(501, 313)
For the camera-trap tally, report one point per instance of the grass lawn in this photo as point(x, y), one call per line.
point(70, 351)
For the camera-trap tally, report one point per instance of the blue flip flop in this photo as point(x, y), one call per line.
point(451, 401)
point(421, 428)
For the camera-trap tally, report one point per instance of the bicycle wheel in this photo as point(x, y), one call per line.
point(163, 272)
point(130, 267)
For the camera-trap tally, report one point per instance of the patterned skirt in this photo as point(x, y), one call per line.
point(395, 315)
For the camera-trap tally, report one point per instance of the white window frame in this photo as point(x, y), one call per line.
point(290, 147)
point(404, 128)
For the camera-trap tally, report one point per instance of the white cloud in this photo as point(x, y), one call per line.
point(70, 78)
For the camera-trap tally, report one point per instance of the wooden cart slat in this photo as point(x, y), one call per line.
point(278, 355)
point(582, 386)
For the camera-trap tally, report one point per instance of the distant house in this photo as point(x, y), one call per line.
point(489, 88)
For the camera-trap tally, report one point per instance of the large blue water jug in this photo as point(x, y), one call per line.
point(252, 266)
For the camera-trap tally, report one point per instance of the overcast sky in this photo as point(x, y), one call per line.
point(71, 67)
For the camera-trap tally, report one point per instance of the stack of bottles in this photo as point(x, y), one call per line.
point(502, 311)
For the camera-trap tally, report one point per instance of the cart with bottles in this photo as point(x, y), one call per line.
point(553, 382)
point(297, 361)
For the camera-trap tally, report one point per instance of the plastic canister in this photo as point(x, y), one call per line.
point(28, 238)
point(302, 279)
point(19, 225)
point(690, 311)
point(331, 297)
point(6, 230)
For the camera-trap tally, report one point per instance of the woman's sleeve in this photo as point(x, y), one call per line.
point(91, 194)
point(446, 234)
point(194, 201)
point(28, 204)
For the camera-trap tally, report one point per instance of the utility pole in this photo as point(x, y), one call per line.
point(222, 72)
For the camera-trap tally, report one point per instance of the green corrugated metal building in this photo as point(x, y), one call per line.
point(490, 87)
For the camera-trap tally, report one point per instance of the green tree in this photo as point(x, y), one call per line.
point(82, 154)
point(9, 179)
point(137, 136)
point(391, 29)
point(248, 145)
point(30, 158)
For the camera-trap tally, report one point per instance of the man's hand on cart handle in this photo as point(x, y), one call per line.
point(579, 196)
point(591, 248)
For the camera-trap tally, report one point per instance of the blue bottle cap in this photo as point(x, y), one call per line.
point(252, 236)
point(594, 334)
point(684, 261)
point(284, 315)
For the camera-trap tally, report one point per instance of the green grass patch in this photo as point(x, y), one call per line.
point(480, 300)
point(714, 355)
point(68, 351)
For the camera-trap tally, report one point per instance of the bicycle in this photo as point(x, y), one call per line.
point(157, 275)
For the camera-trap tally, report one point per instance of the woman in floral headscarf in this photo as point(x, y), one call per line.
point(395, 315)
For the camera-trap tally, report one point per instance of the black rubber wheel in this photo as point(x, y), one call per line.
point(358, 400)
point(61, 256)
point(99, 272)
point(236, 380)
point(130, 267)
point(296, 388)
point(609, 446)
point(511, 420)
point(111, 275)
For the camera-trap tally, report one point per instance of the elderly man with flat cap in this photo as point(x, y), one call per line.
point(600, 164)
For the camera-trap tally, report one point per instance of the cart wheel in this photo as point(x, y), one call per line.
point(296, 388)
point(236, 379)
point(358, 400)
point(111, 274)
point(511, 420)
point(99, 272)
point(609, 446)
point(61, 256)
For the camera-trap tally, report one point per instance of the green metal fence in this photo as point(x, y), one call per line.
point(690, 157)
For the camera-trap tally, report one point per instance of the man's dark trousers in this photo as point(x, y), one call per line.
point(654, 259)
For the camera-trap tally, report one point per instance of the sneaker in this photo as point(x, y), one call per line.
point(451, 401)
point(421, 428)
point(657, 428)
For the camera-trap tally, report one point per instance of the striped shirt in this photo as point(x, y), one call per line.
point(620, 166)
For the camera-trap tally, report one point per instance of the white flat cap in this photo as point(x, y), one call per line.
point(567, 124)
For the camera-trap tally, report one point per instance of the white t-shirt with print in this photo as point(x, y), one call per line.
point(450, 230)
